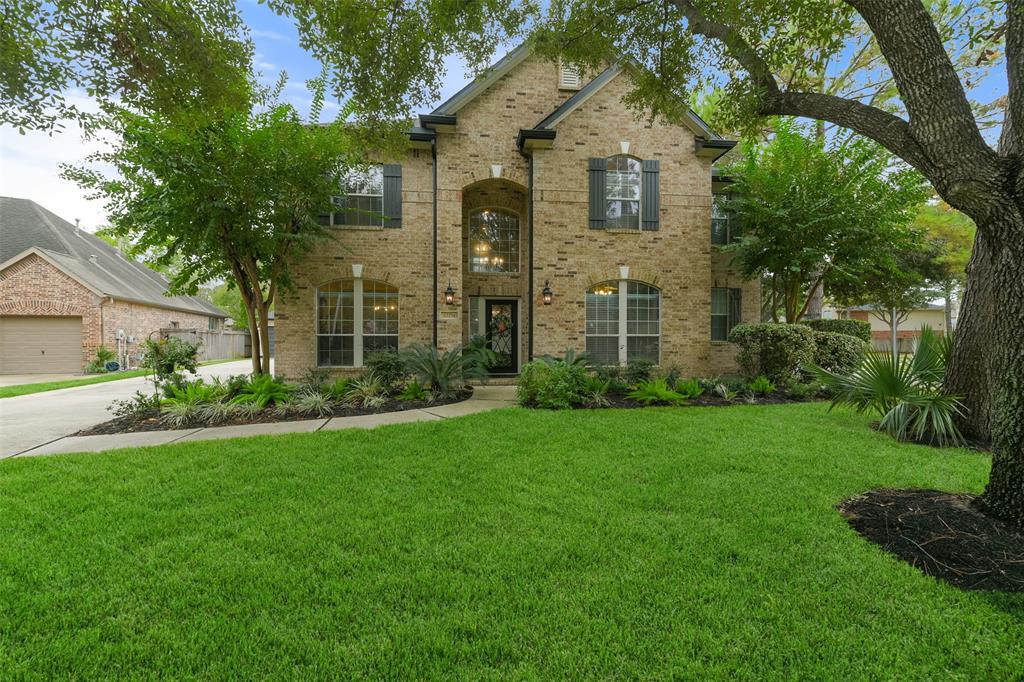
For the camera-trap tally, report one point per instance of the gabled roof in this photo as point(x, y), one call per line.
point(27, 228)
point(479, 85)
point(692, 120)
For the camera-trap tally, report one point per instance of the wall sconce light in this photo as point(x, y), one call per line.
point(449, 294)
point(546, 292)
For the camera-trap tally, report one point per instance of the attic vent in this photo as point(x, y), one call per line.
point(568, 77)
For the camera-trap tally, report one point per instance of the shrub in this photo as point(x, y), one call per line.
point(139, 405)
point(724, 392)
point(672, 375)
point(339, 388)
point(388, 367)
point(446, 373)
point(552, 385)
point(230, 387)
point(637, 371)
point(98, 364)
point(859, 329)
point(366, 391)
point(656, 392)
point(167, 356)
point(762, 385)
point(906, 393)
point(312, 404)
point(263, 390)
point(179, 415)
point(190, 393)
point(804, 391)
point(691, 388)
point(414, 390)
point(595, 391)
point(570, 357)
point(312, 379)
point(218, 412)
point(777, 351)
point(613, 375)
point(838, 352)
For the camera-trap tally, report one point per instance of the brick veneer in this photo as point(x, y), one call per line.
point(678, 258)
point(34, 287)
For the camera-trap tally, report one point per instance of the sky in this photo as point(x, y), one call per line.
point(29, 164)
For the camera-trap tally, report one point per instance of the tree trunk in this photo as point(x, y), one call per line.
point(817, 298)
point(254, 336)
point(970, 365)
point(264, 337)
point(1004, 494)
point(947, 304)
point(894, 324)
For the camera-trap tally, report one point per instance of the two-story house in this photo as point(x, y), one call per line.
point(535, 209)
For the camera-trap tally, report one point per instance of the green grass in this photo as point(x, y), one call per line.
point(654, 544)
point(25, 389)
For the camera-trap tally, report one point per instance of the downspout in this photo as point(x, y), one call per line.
point(433, 165)
point(529, 286)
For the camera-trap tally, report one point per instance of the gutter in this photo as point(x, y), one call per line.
point(715, 149)
point(433, 170)
point(529, 217)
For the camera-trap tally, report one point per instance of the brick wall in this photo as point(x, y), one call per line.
point(678, 258)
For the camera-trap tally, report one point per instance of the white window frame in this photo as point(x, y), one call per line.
point(726, 217)
point(623, 335)
point(727, 314)
point(639, 197)
point(357, 321)
point(342, 204)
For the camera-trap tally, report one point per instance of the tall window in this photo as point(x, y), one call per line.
point(622, 193)
point(726, 307)
point(623, 322)
point(363, 202)
point(722, 227)
point(355, 317)
point(493, 241)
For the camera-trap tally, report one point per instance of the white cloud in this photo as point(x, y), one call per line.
point(30, 169)
point(271, 35)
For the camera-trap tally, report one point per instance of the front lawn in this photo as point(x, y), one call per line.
point(663, 543)
point(42, 386)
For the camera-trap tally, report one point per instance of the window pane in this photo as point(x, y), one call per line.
point(719, 231)
point(604, 350)
point(622, 193)
point(642, 309)
point(380, 316)
point(364, 198)
point(603, 309)
point(719, 301)
point(494, 241)
point(365, 181)
point(334, 351)
point(719, 327)
point(642, 348)
point(623, 215)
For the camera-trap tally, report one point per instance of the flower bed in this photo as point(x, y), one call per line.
point(151, 419)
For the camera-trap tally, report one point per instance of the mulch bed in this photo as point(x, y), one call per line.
point(943, 534)
point(151, 421)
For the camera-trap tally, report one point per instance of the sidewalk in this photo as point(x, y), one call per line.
point(484, 398)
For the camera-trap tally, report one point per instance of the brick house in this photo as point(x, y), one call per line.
point(65, 292)
point(531, 208)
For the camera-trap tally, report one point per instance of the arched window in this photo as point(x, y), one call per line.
point(493, 241)
point(623, 322)
point(354, 317)
point(622, 193)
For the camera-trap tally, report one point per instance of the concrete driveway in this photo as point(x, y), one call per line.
point(28, 421)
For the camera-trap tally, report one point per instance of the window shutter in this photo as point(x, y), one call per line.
point(735, 307)
point(392, 195)
point(598, 168)
point(650, 192)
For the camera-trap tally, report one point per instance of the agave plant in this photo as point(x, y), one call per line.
point(366, 392)
point(905, 393)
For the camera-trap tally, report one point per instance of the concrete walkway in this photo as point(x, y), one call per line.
point(28, 421)
point(484, 398)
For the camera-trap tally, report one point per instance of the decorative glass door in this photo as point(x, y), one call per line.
point(501, 317)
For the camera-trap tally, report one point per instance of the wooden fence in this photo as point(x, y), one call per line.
point(215, 345)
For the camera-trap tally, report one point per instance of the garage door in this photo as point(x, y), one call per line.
point(40, 345)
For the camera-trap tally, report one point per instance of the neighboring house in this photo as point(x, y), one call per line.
point(534, 209)
point(907, 331)
point(64, 292)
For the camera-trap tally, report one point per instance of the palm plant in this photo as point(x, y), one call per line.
point(263, 390)
point(905, 393)
point(446, 373)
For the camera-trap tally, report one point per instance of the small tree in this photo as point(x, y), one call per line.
point(226, 194)
point(813, 216)
point(953, 235)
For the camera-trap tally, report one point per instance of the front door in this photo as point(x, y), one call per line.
point(502, 319)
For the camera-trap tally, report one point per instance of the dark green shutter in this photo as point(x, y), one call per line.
point(735, 307)
point(650, 195)
point(392, 195)
point(598, 168)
